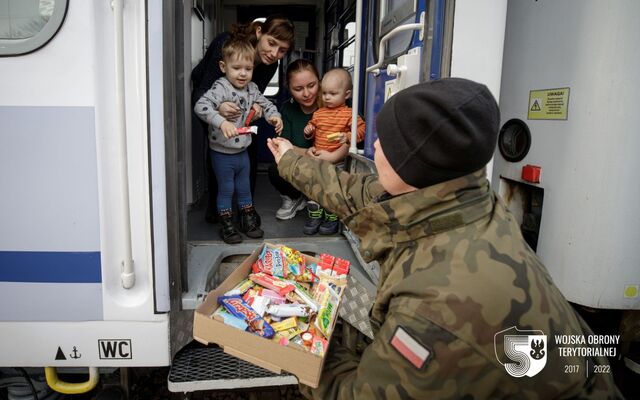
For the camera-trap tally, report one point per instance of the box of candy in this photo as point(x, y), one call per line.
point(276, 310)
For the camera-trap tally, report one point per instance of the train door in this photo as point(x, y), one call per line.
point(413, 41)
point(77, 253)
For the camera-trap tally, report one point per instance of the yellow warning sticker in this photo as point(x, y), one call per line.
point(548, 104)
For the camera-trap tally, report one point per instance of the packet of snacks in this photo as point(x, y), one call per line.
point(329, 301)
point(272, 262)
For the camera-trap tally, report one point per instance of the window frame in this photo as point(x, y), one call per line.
point(18, 47)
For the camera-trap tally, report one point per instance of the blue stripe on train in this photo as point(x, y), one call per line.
point(49, 266)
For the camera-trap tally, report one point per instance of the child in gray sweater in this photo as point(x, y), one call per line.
point(228, 148)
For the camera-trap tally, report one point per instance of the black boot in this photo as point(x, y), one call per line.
point(250, 222)
point(228, 231)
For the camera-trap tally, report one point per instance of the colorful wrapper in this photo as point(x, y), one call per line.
point(228, 319)
point(241, 288)
point(319, 346)
point(271, 282)
point(283, 325)
point(306, 298)
point(329, 302)
point(289, 310)
point(239, 308)
point(272, 261)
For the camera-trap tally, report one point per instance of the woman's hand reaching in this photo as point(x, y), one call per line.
point(230, 111)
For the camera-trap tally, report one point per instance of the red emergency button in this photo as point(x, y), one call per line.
point(531, 173)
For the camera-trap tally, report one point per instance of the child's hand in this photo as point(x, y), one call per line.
point(324, 155)
point(309, 131)
point(311, 151)
point(277, 123)
point(228, 129)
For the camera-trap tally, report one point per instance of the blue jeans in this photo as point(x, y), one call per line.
point(232, 173)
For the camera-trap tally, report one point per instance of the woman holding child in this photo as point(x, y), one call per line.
point(303, 82)
point(271, 40)
point(228, 84)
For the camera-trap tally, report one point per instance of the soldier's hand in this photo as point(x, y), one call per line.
point(278, 147)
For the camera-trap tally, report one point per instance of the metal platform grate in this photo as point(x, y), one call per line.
point(210, 368)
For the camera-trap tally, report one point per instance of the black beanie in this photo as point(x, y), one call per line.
point(438, 130)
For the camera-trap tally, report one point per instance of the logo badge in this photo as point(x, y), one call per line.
point(521, 352)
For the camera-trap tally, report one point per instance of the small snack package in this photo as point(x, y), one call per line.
point(271, 262)
point(222, 314)
point(329, 301)
point(238, 308)
point(241, 288)
point(280, 286)
point(288, 310)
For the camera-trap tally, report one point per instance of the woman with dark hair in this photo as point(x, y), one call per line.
point(271, 39)
point(303, 82)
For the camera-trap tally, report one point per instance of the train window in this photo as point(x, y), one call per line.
point(27, 25)
point(340, 28)
point(349, 54)
point(274, 85)
point(394, 13)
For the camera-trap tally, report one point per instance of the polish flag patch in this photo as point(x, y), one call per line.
point(409, 348)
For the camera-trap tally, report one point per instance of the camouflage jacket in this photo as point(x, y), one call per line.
point(454, 272)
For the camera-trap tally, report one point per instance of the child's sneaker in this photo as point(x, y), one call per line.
point(290, 207)
point(330, 225)
point(314, 219)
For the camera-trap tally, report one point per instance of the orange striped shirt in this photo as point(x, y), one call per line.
point(332, 120)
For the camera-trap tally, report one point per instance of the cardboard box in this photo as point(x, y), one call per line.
point(265, 353)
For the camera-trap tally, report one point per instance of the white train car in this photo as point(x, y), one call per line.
point(103, 250)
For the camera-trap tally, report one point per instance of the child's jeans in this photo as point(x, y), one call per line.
point(232, 173)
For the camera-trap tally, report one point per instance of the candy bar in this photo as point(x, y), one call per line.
point(271, 282)
point(246, 130)
point(288, 323)
point(329, 301)
point(260, 304)
point(240, 288)
point(222, 314)
point(305, 297)
point(239, 308)
point(291, 332)
point(273, 296)
point(288, 310)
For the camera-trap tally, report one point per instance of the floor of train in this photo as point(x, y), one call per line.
point(267, 201)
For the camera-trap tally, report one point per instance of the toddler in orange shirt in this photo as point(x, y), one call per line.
point(330, 128)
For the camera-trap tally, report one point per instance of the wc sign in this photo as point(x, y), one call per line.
point(522, 353)
point(114, 349)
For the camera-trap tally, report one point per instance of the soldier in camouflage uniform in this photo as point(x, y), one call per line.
point(454, 268)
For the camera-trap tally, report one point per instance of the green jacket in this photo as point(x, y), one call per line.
point(454, 272)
